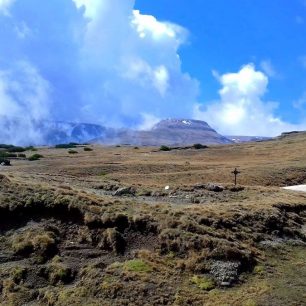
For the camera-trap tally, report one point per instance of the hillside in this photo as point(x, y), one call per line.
point(98, 227)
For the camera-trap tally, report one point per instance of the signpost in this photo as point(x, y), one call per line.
point(236, 172)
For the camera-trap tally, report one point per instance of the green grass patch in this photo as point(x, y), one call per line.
point(138, 266)
point(203, 282)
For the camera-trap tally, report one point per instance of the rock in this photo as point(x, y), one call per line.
point(125, 191)
point(225, 272)
point(213, 187)
point(199, 186)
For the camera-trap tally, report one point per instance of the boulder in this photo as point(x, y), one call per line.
point(225, 272)
point(125, 191)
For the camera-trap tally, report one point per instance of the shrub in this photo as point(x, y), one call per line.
point(7, 155)
point(16, 149)
point(73, 152)
point(5, 161)
point(199, 146)
point(31, 148)
point(70, 145)
point(88, 149)
point(164, 148)
point(21, 155)
point(35, 157)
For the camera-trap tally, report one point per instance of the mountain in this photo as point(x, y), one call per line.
point(241, 139)
point(65, 132)
point(170, 132)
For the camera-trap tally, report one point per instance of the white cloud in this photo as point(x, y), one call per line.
point(106, 62)
point(241, 109)
point(148, 122)
point(268, 68)
point(4, 5)
point(24, 103)
point(300, 103)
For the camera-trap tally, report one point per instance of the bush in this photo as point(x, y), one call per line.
point(73, 152)
point(35, 157)
point(16, 149)
point(199, 146)
point(7, 155)
point(5, 161)
point(88, 149)
point(21, 155)
point(70, 145)
point(164, 148)
point(30, 148)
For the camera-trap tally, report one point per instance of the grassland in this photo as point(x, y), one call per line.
point(100, 228)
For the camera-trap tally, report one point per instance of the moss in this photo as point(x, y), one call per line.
point(203, 282)
point(138, 266)
point(259, 269)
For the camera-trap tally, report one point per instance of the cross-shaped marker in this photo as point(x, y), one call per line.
point(236, 172)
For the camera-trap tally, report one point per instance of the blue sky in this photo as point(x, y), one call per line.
point(240, 65)
point(226, 34)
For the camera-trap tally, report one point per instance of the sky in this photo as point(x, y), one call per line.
point(240, 65)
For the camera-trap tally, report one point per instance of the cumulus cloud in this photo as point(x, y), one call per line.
point(24, 103)
point(242, 109)
point(105, 61)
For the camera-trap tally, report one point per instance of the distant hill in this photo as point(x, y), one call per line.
point(171, 132)
point(65, 132)
point(241, 139)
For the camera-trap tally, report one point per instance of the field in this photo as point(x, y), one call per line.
point(125, 225)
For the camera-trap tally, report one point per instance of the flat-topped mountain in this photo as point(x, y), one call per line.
point(171, 132)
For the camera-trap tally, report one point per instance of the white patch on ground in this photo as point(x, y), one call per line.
point(296, 188)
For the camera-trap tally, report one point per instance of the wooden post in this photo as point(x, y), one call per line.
point(236, 172)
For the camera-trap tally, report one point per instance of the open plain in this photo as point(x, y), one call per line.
point(139, 226)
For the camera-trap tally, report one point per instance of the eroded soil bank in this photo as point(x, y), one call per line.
point(60, 246)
